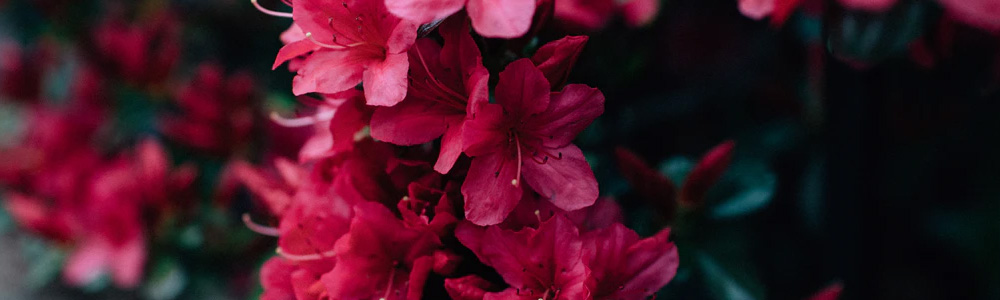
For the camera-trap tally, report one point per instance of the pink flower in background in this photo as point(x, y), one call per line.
point(141, 53)
point(217, 112)
point(490, 18)
point(359, 41)
point(446, 84)
point(529, 132)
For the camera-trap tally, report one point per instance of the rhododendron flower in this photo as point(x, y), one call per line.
point(661, 192)
point(381, 258)
point(218, 112)
point(446, 84)
point(358, 41)
point(623, 266)
point(529, 132)
point(984, 14)
point(142, 53)
point(543, 263)
point(490, 18)
point(336, 123)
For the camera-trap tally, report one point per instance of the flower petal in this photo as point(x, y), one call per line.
point(557, 58)
point(488, 190)
point(424, 11)
point(523, 89)
point(411, 122)
point(568, 182)
point(501, 18)
point(328, 72)
point(568, 114)
point(385, 81)
point(451, 148)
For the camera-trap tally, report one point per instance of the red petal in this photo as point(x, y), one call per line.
point(470, 287)
point(385, 82)
point(557, 58)
point(424, 11)
point(489, 193)
point(522, 89)
point(568, 114)
point(328, 72)
point(652, 186)
point(640, 13)
point(568, 182)
point(501, 18)
point(706, 173)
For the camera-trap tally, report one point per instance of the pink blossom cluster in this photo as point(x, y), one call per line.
point(983, 14)
point(430, 174)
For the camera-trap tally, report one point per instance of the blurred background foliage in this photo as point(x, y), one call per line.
point(858, 157)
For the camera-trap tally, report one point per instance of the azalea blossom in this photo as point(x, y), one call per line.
point(447, 83)
point(350, 42)
point(490, 18)
point(623, 266)
point(543, 263)
point(527, 137)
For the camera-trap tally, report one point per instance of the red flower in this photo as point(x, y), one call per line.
point(623, 266)
point(358, 41)
point(142, 53)
point(490, 18)
point(530, 133)
point(381, 258)
point(537, 263)
point(446, 84)
point(218, 112)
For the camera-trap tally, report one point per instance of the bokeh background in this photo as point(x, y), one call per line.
point(867, 145)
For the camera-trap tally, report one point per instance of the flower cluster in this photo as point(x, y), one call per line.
point(441, 177)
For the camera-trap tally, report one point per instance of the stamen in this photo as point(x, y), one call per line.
point(325, 45)
point(270, 12)
point(303, 121)
point(261, 229)
point(519, 162)
point(388, 288)
point(305, 257)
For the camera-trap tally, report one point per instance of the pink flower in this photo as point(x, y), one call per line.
point(381, 257)
point(490, 18)
point(358, 41)
point(141, 53)
point(529, 132)
point(547, 262)
point(218, 112)
point(623, 266)
point(446, 84)
point(984, 14)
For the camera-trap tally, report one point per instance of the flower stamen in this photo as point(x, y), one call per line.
point(304, 257)
point(261, 229)
point(270, 12)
